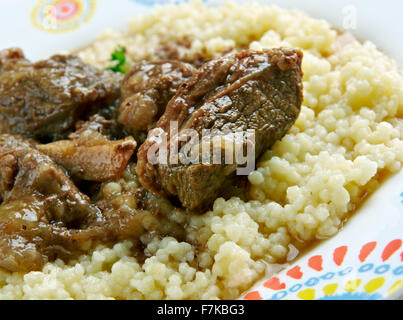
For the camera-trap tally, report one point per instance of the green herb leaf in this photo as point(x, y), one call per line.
point(119, 57)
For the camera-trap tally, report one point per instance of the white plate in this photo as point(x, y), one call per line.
point(365, 259)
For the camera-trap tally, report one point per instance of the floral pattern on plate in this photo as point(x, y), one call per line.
point(62, 15)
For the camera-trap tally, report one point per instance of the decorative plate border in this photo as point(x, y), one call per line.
point(57, 16)
point(374, 272)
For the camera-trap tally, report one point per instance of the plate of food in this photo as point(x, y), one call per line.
point(196, 150)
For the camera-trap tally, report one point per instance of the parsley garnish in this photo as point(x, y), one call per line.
point(119, 56)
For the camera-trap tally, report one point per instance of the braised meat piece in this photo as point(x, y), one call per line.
point(146, 90)
point(37, 199)
point(89, 154)
point(29, 173)
point(28, 239)
point(8, 162)
point(44, 100)
point(43, 215)
point(260, 91)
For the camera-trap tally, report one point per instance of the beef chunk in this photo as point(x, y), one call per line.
point(29, 173)
point(89, 154)
point(43, 216)
point(28, 239)
point(8, 161)
point(38, 203)
point(43, 100)
point(146, 90)
point(261, 91)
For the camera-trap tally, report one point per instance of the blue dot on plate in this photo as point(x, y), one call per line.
point(353, 296)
